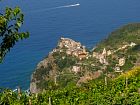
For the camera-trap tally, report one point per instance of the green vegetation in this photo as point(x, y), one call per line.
point(63, 60)
point(10, 23)
point(56, 70)
point(123, 90)
point(126, 34)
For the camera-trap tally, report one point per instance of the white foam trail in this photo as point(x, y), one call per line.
point(66, 6)
point(74, 5)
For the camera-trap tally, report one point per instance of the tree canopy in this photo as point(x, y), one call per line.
point(10, 23)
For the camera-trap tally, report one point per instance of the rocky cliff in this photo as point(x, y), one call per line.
point(71, 64)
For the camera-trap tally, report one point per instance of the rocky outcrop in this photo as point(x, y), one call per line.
point(60, 62)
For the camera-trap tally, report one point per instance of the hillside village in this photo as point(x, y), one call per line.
point(102, 57)
point(74, 48)
point(72, 63)
point(85, 65)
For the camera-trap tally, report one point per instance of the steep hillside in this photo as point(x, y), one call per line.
point(70, 63)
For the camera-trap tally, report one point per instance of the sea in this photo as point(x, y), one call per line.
point(86, 21)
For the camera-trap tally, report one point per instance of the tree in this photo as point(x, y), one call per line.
point(10, 23)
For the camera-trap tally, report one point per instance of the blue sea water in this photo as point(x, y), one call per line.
point(88, 23)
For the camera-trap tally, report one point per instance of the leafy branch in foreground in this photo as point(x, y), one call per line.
point(10, 23)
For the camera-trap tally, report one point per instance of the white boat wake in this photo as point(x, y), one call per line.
point(48, 9)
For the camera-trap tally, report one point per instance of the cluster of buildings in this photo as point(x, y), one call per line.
point(102, 56)
point(73, 48)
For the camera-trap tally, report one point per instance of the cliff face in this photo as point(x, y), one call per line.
point(71, 64)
